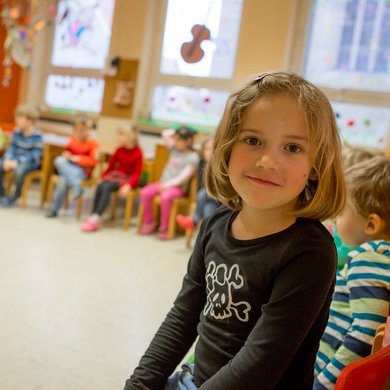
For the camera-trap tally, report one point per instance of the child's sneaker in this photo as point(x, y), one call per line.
point(51, 213)
point(163, 235)
point(186, 222)
point(148, 228)
point(90, 226)
point(6, 202)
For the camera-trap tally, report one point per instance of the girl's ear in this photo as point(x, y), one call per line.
point(374, 224)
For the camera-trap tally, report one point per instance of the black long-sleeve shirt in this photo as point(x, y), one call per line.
point(259, 307)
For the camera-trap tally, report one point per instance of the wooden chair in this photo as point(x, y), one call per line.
point(79, 202)
point(148, 168)
point(378, 339)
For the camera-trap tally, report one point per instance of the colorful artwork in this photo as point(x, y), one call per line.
point(363, 125)
point(74, 93)
point(180, 104)
point(200, 38)
point(22, 30)
point(82, 34)
point(349, 44)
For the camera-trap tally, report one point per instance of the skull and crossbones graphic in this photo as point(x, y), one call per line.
point(221, 282)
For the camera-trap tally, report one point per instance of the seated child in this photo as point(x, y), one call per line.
point(75, 164)
point(123, 173)
point(362, 294)
point(352, 155)
point(181, 166)
point(24, 153)
point(205, 205)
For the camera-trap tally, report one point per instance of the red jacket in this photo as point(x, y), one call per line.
point(86, 150)
point(125, 166)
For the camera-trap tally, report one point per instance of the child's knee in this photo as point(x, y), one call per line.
point(60, 160)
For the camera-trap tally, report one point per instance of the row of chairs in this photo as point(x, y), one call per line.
point(153, 169)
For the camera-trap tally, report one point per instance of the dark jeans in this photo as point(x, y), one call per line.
point(103, 195)
point(18, 174)
point(205, 206)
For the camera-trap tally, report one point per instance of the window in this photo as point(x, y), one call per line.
point(343, 46)
point(81, 43)
point(196, 61)
point(349, 44)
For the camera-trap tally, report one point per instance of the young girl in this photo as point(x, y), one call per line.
point(181, 166)
point(260, 280)
point(123, 173)
point(205, 205)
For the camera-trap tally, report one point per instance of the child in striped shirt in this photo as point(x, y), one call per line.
point(362, 293)
point(24, 153)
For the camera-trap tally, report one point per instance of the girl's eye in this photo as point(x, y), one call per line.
point(253, 141)
point(293, 148)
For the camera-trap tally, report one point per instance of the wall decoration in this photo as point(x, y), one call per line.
point(23, 20)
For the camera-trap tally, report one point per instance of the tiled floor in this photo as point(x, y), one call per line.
point(77, 311)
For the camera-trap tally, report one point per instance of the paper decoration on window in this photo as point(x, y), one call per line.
point(23, 20)
point(363, 125)
point(83, 33)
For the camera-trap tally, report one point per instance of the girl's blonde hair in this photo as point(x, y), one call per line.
point(130, 130)
point(325, 193)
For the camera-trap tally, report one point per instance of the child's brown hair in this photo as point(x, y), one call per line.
point(369, 187)
point(353, 154)
point(324, 196)
point(27, 111)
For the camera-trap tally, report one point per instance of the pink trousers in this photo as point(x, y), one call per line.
point(166, 198)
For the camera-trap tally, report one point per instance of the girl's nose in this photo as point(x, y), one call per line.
point(267, 160)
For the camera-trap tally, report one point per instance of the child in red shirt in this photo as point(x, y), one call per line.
point(122, 174)
point(75, 164)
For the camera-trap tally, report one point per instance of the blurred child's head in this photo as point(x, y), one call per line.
point(127, 137)
point(82, 127)
point(366, 215)
point(25, 117)
point(207, 148)
point(183, 139)
point(355, 154)
point(324, 194)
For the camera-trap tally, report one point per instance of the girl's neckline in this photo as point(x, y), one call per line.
point(257, 240)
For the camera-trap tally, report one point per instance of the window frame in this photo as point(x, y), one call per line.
point(158, 78)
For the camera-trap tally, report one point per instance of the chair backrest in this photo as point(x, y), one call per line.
point(386, 335)
point(372, 372)
point(161, 157)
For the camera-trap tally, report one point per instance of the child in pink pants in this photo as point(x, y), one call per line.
point(181, 166)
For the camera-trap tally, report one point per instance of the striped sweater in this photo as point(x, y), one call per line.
point(360, 304)
point(25, 150)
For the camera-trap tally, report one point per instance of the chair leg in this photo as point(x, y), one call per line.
point(128, 210)
point(114, 205)
point(140, 217)
point(26, 186)
point(172, 222)
point(79, 207)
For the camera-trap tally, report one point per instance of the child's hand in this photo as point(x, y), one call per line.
point(10, 165)
point(67, 154)
point(124, 190)
point(162, 186)
point(74, 159)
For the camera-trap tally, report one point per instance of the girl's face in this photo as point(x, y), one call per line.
point(82, 131)
point(181, 144)
point(270, 162)
point(126, 139)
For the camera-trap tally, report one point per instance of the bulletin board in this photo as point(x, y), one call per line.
point(119, 90)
